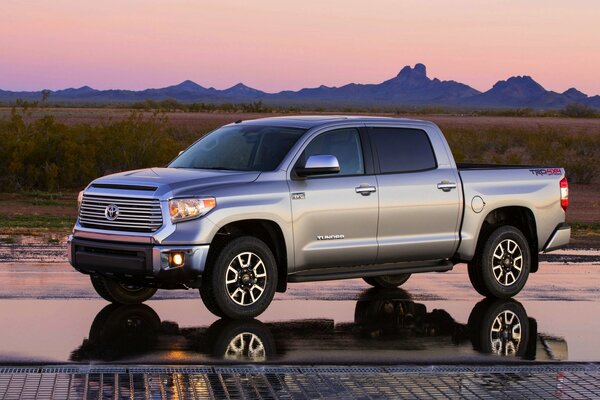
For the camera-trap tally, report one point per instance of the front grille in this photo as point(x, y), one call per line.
point(134, 214)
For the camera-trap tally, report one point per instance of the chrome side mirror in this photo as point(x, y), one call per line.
point(321, 164)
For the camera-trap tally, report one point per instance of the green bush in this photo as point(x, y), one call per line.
point(47, 155)
point(43, 154)
point(578, 153)
point(576, 110)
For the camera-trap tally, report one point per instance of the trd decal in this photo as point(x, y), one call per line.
point(545, 171)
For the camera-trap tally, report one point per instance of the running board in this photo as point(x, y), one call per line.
point(362, 271)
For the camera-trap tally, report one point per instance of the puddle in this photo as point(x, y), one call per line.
point(50, 314)
point(382, 326)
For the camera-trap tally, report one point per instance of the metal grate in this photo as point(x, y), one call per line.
point(257, 382)
point(133, 215)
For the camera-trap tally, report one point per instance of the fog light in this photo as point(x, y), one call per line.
point(176, 259)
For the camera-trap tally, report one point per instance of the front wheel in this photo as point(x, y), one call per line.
point(502, 267)
point(241, 283)
point(387, 281)
point(121, 293)
point(241, 341)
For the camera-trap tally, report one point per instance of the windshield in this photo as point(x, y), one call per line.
point(240, 148)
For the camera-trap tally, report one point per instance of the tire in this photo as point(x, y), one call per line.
point(208, 298)
point(119, 293)
point(500, 327)
point(387, 281)
point(502, 267)
point(120, 332)
point(241, 283)
point(476, 281)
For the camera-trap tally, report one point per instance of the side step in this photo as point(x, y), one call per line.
point(363, 271)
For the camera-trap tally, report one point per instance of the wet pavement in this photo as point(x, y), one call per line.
point(51, 315)
point(342, 340)
point(248, 382)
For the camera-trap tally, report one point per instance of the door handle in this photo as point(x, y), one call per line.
point(365, 190)
point(446, 186)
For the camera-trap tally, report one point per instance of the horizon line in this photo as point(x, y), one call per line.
point(292, 90)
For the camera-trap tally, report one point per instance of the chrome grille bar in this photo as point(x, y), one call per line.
point(134, 215)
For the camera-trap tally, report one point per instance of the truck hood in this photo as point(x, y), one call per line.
point(179, 181)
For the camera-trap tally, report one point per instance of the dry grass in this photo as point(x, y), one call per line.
point(202, 122)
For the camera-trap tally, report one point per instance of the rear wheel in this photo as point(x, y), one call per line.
point(121, 293)
point(502, 267)
point(500, 327)
point(387, 281)
point(241, 283)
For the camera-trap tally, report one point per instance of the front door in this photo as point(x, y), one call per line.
point(335, 216)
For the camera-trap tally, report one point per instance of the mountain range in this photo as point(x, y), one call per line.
point(411, 87)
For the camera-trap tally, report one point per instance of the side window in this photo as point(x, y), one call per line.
point(342, 143)
point(403, 150)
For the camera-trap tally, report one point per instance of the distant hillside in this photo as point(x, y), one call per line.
point(411, 87)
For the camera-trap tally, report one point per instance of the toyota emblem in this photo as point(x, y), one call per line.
point(111, 212)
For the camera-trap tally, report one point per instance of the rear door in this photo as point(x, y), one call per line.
point(335, 216)
point(419, 198)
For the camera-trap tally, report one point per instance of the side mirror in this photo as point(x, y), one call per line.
point(319, 165)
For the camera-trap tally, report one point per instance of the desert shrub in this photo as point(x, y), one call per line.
point(578, 153)
point(47, 155)
point(171, 105)
point(577, 110)
point(43, 154)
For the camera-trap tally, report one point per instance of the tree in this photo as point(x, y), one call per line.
point(578, 110)
point(46, 95)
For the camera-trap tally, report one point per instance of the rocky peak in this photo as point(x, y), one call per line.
point(575, 94)
point(188, 85)
point(419, 71)
point(521, 86)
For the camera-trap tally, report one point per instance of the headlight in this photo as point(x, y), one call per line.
point(186, 209)
point(79, 201)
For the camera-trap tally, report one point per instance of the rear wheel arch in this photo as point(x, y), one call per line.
point(521, 218)
point(267, 231)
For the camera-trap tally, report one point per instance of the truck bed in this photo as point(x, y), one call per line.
point(469, 166)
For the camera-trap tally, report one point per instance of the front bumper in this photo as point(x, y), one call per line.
point(142, 263)
point(559, 238)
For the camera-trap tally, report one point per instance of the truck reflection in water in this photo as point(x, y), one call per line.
point(388, 327)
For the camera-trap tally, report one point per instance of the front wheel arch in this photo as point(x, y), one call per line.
point(241, 283)
point(266, 230)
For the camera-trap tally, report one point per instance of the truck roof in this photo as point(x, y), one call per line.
point(311, 121)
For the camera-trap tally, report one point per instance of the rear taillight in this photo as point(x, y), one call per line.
point(564, 193)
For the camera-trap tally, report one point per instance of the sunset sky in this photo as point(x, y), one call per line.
point(276, 45)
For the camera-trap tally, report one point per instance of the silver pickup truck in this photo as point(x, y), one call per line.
point(257, 204)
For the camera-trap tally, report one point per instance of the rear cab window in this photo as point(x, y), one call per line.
point(399, 150)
